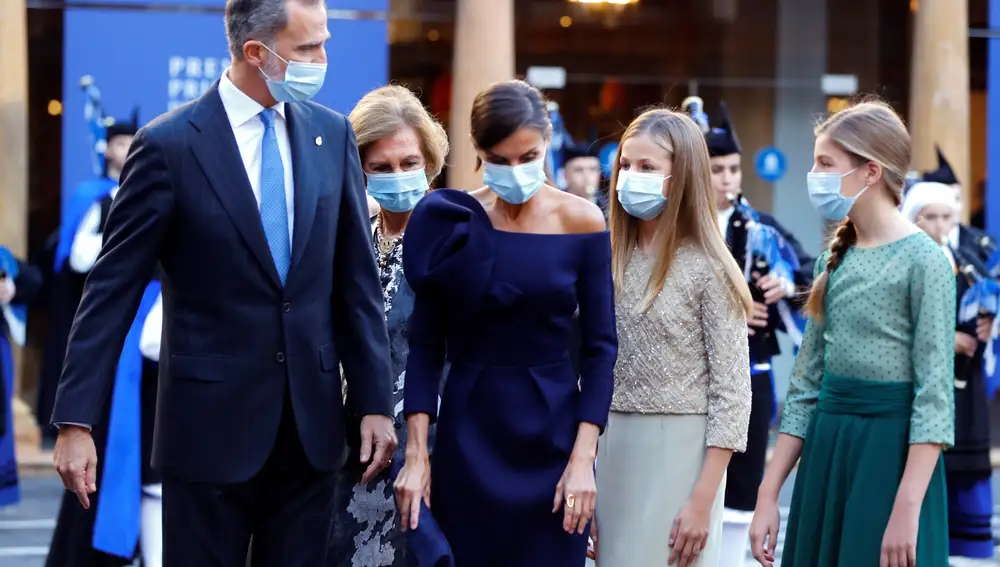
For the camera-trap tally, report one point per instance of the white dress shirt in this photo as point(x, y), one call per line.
point(953, 236)
point(152, 331)
point(244, 117)
point(88, 239)
point(723, 218)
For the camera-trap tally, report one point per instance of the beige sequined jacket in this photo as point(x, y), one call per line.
point(688, 354)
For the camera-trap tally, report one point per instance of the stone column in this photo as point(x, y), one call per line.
point(483, 54)
point(14, 162)
point(801, 58)
point(751, 107)
point(939, 93)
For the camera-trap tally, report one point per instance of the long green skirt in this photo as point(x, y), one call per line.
point(853, 459)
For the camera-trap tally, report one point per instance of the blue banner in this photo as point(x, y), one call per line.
point(156, 60)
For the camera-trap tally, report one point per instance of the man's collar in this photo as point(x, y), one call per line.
point(240, 108)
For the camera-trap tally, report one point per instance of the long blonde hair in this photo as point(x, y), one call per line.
point(689, 214)
point(868, 131)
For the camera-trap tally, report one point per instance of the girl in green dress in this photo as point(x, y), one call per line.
point(870, 405)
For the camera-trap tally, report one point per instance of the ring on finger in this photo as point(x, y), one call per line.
point(570, 500)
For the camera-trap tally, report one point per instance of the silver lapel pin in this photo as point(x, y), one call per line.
point(319, 140)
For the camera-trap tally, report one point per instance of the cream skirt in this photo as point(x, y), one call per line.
point(647, 466)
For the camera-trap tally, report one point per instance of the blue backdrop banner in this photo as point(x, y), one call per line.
point(156, 60)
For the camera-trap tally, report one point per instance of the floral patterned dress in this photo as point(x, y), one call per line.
point(364, 532)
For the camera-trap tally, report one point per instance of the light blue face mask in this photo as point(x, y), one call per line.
point(515, 183)
point(302, 80)
point(641, 194)
point(398, 192)
point(824, 192)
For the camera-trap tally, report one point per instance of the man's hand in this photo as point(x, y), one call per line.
point(774, 289)
point(377, 431)
point(7, 290)
point(965, 344)
point(758, 318)
point(75, 459)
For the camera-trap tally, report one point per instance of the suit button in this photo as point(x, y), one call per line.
point(286, 307)
point(280, 357)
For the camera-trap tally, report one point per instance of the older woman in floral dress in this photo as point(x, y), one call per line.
point(402, 150)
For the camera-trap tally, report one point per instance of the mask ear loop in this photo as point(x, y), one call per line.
point(272, 52)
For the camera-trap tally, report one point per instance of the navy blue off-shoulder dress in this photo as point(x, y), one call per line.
point(499, 306)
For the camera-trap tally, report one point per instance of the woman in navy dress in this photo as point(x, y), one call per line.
point(499, 274)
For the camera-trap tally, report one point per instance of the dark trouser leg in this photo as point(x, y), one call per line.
point(206, 525)
point(294, 513)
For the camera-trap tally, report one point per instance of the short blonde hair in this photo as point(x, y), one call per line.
point(386, 110)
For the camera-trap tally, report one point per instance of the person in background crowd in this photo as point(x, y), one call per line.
point(498, 274)
point(582, 169)
point(870, 405)
point(124, 517)
point(682, 382)
point(962, 237)
point(402, 151)
point(251, 199)
point(770, 315)
point(933, 207)
point(79, 241)
point(19, 283)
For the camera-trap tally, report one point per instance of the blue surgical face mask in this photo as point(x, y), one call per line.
point(515, 183)
point(641, 194)
point(398, 192)
point(824, 192)
point(302, 80)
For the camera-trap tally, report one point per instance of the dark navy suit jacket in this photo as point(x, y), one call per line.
point(234, 337)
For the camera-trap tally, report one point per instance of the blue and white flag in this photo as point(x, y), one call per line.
point(561, 139)
point(16, 316)
point(93, 114)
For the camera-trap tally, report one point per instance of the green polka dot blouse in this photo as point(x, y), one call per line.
point(890, 316)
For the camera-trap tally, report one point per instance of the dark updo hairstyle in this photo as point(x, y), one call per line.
point(503, 109)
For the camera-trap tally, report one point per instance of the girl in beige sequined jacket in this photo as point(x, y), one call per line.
point(681, 403)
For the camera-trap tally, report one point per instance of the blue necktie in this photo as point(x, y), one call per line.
point(273, 209)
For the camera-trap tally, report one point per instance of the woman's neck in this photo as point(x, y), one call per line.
point(647, 233)
point(510, 212)
point(393, 224)
point(879, 221)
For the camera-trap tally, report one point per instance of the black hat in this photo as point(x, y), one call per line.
point(943, 174)
point(722, 141)
point(580, 151)
point(122, 127)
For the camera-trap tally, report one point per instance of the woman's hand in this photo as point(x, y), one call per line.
point(764, 530)
point(984, 327)
point(899, 543)
point(690, 532)
point(965, 344)
point(577, 494)
point(413, 485)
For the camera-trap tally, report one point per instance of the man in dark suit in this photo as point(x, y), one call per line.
point(252, 200)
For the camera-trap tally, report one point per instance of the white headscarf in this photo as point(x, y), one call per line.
point(927, 193)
